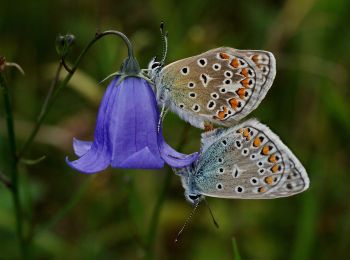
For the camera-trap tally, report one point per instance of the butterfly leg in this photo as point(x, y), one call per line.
point(163, 113)
point(208, 126)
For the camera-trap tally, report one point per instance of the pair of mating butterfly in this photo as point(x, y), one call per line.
point(222, 86)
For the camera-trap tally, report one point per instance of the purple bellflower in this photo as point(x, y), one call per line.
point(126, 133)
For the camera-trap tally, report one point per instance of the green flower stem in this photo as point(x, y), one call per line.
point(152, 232)
point(5, 180)
point(151, 237)
point(13, 165)
point(57, 87)
point(52, 88)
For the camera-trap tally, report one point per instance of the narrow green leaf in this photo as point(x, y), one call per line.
point(236, 255)
point(33, 161)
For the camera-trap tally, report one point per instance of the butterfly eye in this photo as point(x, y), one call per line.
point(155, 65)
point(193, 197)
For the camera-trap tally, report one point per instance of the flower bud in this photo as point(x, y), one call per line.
point(64, 44)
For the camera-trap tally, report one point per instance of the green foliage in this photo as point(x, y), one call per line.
point(107, 216)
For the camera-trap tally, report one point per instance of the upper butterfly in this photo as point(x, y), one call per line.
point(220, 86)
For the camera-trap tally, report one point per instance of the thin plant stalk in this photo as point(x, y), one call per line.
point(152, 232)
point(13, 166)
point(5, 180)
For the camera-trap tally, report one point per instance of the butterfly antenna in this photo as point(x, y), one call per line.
point(211, 214)
point(186, 222)
point(164, 36)
point(162, 116)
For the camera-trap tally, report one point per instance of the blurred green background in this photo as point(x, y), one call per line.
point(108, 216)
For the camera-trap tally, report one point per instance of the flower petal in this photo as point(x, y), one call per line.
point(99, 156)
point(133, 127)
point(143, 159)
point(93, 161)
point(81, 147)
point(174, 158)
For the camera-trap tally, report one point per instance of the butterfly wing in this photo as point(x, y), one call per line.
point(248, 161)
point(220, 86)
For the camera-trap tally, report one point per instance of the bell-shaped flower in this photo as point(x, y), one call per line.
point(127, 133)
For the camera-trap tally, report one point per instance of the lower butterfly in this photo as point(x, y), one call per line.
point(247, 161)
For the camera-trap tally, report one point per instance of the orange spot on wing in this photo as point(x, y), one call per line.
point(245, 82)
point(257, 142)
point(273, 158)
point(241, 93)
point(222, 113)
point(224, 56)
point(246, 133)
point(275, 168)
point(234, 63)
point(234, 103)
point(266, 149)
point(268, 180)
point(256, 58)
point(244, 72)
point(261, 189)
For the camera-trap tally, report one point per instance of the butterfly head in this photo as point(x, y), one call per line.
point(154, 73)
point(193, 198)
point(154, 68)
point(186, 174)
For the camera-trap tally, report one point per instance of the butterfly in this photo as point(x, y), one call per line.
point(220, 86)
point(247, 161)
